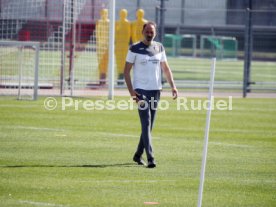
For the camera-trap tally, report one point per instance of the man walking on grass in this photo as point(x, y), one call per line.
point(147, 58)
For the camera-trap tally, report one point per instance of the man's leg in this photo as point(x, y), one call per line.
point(153, 109)
point(147, 116)
point(145, 119)
point(138, 154)
point(140, 148)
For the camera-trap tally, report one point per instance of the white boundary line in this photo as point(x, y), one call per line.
point(41, 203)
point(231, 145)
point(190, 140)
point(32, 128)
point(124, 135)
point(18, 106)
point(128, 181)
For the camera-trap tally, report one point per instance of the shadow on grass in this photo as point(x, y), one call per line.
point(72, 166)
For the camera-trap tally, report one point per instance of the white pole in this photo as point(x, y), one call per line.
point(207, 127)
point(20, 71)
point(111, 49)
point(62, 68)
point(36, 71)
point(72, 75)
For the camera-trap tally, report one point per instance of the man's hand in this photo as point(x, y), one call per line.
point(134, 95)
point(174, 93)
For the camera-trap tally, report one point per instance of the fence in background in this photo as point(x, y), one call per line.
point(71, 57)
point(66, 33)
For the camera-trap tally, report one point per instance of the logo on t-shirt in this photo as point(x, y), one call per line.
point(154, 61)
point(143, 61)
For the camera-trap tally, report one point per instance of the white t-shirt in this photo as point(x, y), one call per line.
point(146, 61)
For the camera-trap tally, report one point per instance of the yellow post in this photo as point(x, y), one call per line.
point(137, 26)
point(122, 39)
point(102, 32)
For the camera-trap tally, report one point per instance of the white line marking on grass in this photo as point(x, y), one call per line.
point(17, 106)
point(124, 135)
point(231, 145)
point(188, 140)
point(128, 181)
point(41, 203)
point(240, 131)
point(233, 131)
point(117, 135)
point(32, 128)
point(247, 181)
point(259, 181)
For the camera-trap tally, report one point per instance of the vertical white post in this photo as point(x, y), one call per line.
point(111, 49)
point(72, 69)
point(20, 68)
point(62, 68)
point(36, 71)
point(206, 136)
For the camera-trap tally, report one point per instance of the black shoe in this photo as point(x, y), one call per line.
point(139, 160)
point(151, 164)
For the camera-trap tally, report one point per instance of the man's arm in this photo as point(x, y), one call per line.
point(168, 73)
point(127, 69)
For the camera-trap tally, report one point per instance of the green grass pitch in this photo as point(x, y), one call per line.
point(84, 158)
